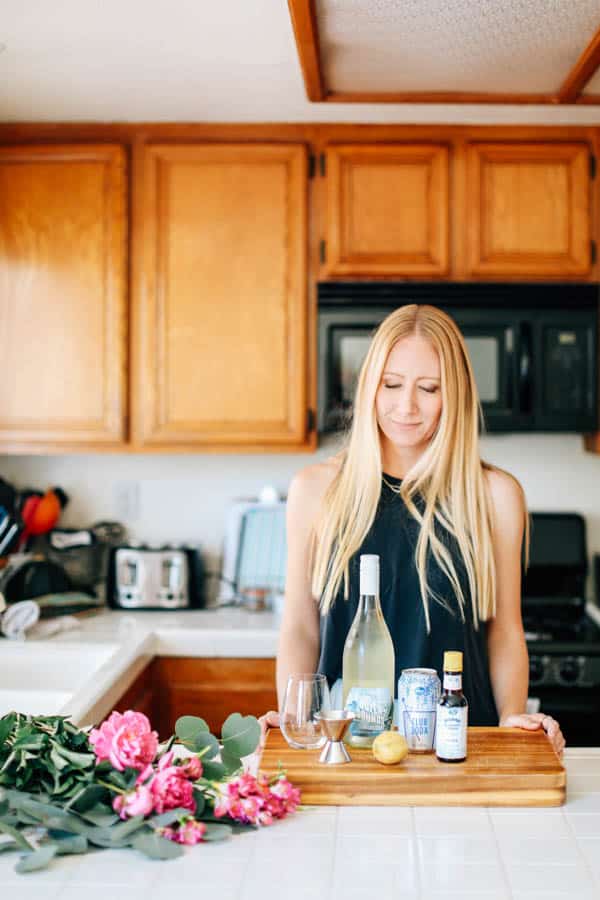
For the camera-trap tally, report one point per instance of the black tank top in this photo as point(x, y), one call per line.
point(393, 536)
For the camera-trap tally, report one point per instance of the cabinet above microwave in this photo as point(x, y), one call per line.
point(533, 348)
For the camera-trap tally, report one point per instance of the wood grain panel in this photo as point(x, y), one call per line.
point(221, 304)
point(62, 294)
point(528, 209)
point(387, 210)
point(504, 767)
point(213, 689)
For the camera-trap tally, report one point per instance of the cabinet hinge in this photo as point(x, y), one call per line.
point(310, 421)
point(312, 165)
point(592, 166)
point(322, 164)
point(593, 251)
point(322, 251)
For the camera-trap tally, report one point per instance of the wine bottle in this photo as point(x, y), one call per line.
point(368, 662)
point(452, 712)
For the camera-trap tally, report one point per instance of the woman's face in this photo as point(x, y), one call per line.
point(409, 397)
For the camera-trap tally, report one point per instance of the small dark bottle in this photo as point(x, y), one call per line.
point(452, 712)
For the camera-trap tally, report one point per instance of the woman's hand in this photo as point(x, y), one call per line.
point(268, 720)
point(533, 721)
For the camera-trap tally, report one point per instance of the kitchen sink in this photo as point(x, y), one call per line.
point(42, 677)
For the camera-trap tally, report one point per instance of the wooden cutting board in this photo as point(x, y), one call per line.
point(504, 767)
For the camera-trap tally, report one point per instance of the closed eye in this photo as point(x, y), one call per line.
point(430, 390)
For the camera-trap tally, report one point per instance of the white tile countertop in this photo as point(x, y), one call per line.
point(362, 853)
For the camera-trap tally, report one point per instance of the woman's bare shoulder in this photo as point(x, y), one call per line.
point(311, 482)
point(506, 495)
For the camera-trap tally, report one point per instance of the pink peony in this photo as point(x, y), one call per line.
point(125, 740)
point(192, 768)
point(189, 831)
point(138, 802)
point(170, 787)
point(251, 800)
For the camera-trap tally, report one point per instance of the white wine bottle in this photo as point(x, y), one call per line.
point(368, 663)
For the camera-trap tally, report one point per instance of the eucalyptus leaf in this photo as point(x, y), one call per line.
point(87, 798)
point(68, 844)
point(57, 760)
point(206, 743)
point(240, 734)
point(3, 804)
point(39, 859)
point(217, 832)
point(8, 845)
point(200, 803)
point(100, 815)
point(213, 770)
point(186, 727)
point(157, 847)
point(14, 833)
point(231, 762)
point(167, 818)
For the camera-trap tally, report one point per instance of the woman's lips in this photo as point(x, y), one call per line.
point(405, 424)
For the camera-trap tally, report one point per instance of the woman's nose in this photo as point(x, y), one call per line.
point(407, 401)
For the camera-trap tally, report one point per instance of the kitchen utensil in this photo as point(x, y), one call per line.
point(335, 724)
point(306, 696)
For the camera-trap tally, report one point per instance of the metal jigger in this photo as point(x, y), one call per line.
point(335, 724)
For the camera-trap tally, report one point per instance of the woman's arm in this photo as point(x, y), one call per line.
point(507, 650)
point(298, 649)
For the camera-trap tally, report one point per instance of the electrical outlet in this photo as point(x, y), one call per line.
point(127, 500)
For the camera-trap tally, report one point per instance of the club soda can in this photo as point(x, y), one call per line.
point(418, 694)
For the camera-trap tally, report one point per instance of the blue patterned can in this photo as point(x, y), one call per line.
point(418, 694)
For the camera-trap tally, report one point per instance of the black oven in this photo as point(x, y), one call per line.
point(533, 347)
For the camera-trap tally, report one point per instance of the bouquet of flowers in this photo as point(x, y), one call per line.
point(63, 789)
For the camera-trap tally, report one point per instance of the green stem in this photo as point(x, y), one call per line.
point(111, 787)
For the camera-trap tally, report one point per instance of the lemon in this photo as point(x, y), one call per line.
point(389, 748)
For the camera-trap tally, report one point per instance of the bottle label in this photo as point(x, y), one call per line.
point(451, 732)
point(452, 682)
point(372, 708)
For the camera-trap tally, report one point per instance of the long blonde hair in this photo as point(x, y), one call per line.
point(448, 476)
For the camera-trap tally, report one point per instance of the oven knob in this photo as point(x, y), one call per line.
point(536, 669)
point(569, 670)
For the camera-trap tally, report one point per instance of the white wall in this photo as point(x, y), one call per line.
point(186, 497)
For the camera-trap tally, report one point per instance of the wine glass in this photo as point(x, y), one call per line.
point(305, 695)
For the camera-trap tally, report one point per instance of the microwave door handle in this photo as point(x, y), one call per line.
point(524, 373)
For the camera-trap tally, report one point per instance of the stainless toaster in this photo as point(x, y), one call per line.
point(156, 578)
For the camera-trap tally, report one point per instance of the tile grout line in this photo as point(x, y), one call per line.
point(587, 866)
point(503, 868)
point(417, 861)
point(331, 888)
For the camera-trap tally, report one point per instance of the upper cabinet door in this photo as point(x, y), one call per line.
point(528, 209)
point(62, 296)
point(220, 307)
point(387, 210)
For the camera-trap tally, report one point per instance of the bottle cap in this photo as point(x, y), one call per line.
point(453, 661)
point(369, 574)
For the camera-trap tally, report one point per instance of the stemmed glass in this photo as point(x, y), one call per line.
point(305, 696)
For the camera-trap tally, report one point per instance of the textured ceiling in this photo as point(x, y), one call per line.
point(496, 46)
point(236, 60)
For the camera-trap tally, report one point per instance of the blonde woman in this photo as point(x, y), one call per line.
point(410, 486)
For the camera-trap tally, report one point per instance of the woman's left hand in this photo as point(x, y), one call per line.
point(533, 721)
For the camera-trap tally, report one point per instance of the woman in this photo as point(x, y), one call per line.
point(449, 528)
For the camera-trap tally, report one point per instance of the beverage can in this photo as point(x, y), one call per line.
point(418, 694)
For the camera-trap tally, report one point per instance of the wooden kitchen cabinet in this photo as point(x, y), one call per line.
point(220, 299)
point(528, 210)
point(62, 296)
point(212, 689)
point(387, 210)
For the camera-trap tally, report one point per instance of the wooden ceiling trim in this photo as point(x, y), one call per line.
point(304, 22)
point(437, 97)
point(582, 71)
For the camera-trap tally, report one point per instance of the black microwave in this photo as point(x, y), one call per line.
point(533, 348)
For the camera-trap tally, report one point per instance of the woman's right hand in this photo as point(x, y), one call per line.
point(269, 720)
